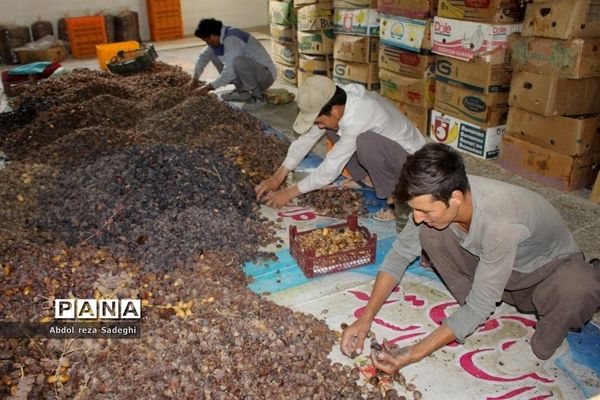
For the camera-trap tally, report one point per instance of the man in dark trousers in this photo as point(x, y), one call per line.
point(372, 139)
point(489, 241)
point(239, 58)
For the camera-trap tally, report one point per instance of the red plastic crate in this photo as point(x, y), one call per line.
point(312, 265)
point(164, 17)
point(84, 34)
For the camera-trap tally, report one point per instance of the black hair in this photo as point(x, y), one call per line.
point(207, 27)
point(338, 99)
point(435, 169)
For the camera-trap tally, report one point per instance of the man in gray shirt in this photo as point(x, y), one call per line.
point(489, 241)
point(239, 58)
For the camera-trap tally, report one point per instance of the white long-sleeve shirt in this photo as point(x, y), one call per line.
point(364, 111)
point(234, 43)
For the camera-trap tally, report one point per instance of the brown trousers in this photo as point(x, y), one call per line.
point(564, 294)
point(377, 156)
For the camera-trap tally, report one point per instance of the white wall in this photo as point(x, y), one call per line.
point(239, 13)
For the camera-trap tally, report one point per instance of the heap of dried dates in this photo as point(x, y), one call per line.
point(126, 187)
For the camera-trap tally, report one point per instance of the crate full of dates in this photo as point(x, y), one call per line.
point(333, 248)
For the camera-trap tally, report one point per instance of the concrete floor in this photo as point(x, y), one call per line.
point(582, 216)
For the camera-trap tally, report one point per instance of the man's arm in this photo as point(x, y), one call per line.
point(331, 167)
point(301, 147)
point(233, 48)
point(437, 339)
point(353, 337)
point(296, 153)
point(271, 184)
point(405, 249)
point(498, 251)
point(203, 59)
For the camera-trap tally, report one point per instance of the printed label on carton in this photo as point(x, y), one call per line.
point(406, 33)
point(465, 39)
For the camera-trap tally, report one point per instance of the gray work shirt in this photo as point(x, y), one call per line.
point(512, 229)
point(234, 43)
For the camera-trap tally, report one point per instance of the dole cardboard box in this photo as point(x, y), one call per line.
point(354, 3)
point(574, 58)
point(405, 62)
point(316, 65)
point(406, 33)
point(419, 116)
point(356, 48)
point(476, 140)
point(315, 17)
point(284, 54)
point(282, 13)
point(497, 11)
point(464, 39)
point(283, 34)
point(316, 42)
point(551, 95)
point(489, 73)
point(416, 91)
point(545, 166)
point(562, 19)
point(421, 9)
point(572, 136)
point(364, 21)
point(345, 72)
point(286, 73)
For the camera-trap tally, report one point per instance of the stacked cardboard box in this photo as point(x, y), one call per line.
point(473, 73)
point(553, 123)
point(405, 60)
point(357, 41)
point(282, 18)
point(315, 38)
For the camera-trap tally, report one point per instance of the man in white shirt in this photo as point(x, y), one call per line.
point(373, 140)
point(239, 58)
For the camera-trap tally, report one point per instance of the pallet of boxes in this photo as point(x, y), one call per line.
point(406, 63)
point(315, 38)
point(473, 73)
point(284, 52)
point(356, 42)
point(553, 129)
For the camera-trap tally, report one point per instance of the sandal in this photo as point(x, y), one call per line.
point(385, 215)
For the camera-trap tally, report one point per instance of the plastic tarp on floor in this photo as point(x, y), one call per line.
point(415, 309)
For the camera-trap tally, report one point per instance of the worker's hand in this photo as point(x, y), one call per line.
point(266, 186)
point(389, 363)
point(353, 337)
point(194, 83)
point(278, 199)
point(202, 90)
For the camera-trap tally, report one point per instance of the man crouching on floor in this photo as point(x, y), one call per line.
point(489, 241)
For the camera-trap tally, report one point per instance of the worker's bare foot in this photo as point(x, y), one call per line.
point(385, 214)
point(349, 183)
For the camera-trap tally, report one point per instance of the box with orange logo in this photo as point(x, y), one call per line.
point(473, 139)
point(358, 21)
